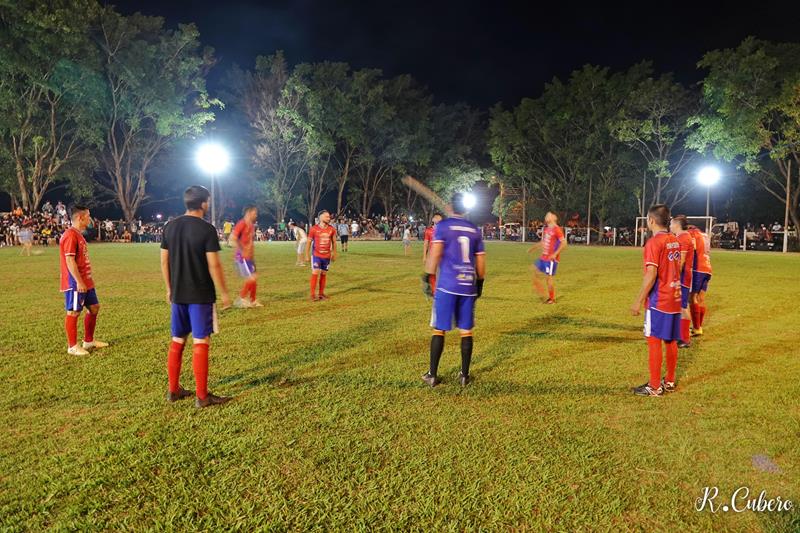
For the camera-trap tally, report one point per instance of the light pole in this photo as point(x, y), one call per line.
point(708, 176)
point(212, 159)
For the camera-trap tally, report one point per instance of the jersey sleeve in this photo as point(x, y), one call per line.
point(312, 233)
point(559, 233)
point(238, 229)
point(69, 243)
point(438, 233)
point(212, 241)
point(479, 249)
point(651, 253)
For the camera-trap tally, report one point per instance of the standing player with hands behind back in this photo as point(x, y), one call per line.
point(191, 268)
point(457, 251)
point(322, 239)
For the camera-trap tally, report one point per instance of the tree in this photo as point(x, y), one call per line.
point(49, 96)
point(752, 95)
point(654, 121)
point(156, 94)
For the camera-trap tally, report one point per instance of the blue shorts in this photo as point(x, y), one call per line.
point(546, 267)
point(320, 263)
point(700, 281)
point(685, 297)
point(664, 326)
point(198, 319)
point(245, 267)
point(448, 306)
point(76, 301)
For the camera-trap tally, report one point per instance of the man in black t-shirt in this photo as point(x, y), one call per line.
point(191, 268)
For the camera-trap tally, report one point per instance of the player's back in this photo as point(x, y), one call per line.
point(702, 260)
point(663, 251)
point(462, 242)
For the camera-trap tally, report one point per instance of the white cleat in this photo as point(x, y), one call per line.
point(94, 344)
point(77, 350)
point(256, 303)
point(242, 303)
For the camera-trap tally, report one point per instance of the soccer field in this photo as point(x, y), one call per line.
point(332, 428)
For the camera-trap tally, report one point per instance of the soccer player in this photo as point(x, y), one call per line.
point(701, 275)
point(344, 234)
point(457, 252)
point(678, 227)
point(301, 238)
point(244, 259)
point(660, 293)
point(77, 284)
point(427, 242)
point(227, 227)
point(552, 244)
point(191, 269)
point(322, 239)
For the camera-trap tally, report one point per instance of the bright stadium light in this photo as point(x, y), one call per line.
point(469, 200)
point(212, 159)
point(708, 175)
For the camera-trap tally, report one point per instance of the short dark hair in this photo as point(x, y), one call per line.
point(323, 212)
point(437, 214)
point(458, 203)
point(660, 213)
point(195, 196)
point(247, 209)
point(681, 220)
point(77, 209)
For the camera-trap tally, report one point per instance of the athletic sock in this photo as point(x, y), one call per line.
point(695, 315)
point(466, 353)
point(200, 367)
point(685, 323)
point(552, 293)
point(432, 279)
point(701, 314)
point(71, 327)
point(89, 323)
point(314, 284)
point(322, 280)
point(245, 290)
point(174, 359)
point(253, 290)
point(672, 360)
point(437, 346)
point(654, 348)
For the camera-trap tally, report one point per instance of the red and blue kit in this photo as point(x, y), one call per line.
point(322, 239)
point(663, 313)
point(73, 244)
point(687, 247)
point(701, 270)
point(244, 260)
point(428, 234)
point(551, 240)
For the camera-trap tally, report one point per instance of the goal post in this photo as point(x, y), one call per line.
point(702, 222)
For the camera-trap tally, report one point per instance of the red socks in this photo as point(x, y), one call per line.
point(432, 279)
point(174, 365)
point(685, 323)
point(672, 360)
point(323, 278)
point(314, 284)
point(253, 290)
point(89, 322)
point(200, 367)
point(71, 327)
point(654, 347)
point(701, 311)
point(248, 290)
point(552, 294)
point(694, 310)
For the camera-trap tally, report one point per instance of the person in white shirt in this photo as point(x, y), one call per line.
point(354, 229)
point(301, 238)
point(406, 240)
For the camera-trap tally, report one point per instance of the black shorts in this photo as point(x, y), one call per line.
point(344, 238)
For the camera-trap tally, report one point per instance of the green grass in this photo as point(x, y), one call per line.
point(333, 430)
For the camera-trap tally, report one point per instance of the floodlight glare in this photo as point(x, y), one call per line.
point(469, 200)
point(708, 176)
point(212, 158)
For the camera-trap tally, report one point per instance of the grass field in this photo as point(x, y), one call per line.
point(332, 428)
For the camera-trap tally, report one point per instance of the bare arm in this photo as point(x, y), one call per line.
point(308, 249)
point(72, 266)
point(333, 249)
point(535, 246)
point(425, 247)
point(165, 272)
point(434, 258)
point(480, 266)
point(215, 269)
point(561, 246)
point(649, 279)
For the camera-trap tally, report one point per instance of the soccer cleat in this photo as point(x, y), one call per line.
point(550, 301)
point(682, 344)
point(210, 400)
point(256, 303)
point(94, 344)
point(77, 350)
point(647, 390)
point(314, 298)
point(667, 386)
point(242, 303)
point(323, 297)
point(432, 381)
point(697, 332)
point(180, 395)
point(465, 380)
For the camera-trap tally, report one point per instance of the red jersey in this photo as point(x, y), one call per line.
point(322, 239)
point(702, 261)
point(72, 243)
point(687, 246)
point(664, 252)
point(428, 234)
point(244, 232)
point(551, 239)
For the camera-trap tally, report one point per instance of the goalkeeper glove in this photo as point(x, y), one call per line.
point(427, 288)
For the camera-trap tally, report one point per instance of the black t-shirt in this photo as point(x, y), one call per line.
point(188, 239)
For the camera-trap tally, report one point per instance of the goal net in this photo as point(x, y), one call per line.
point(642, 234)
